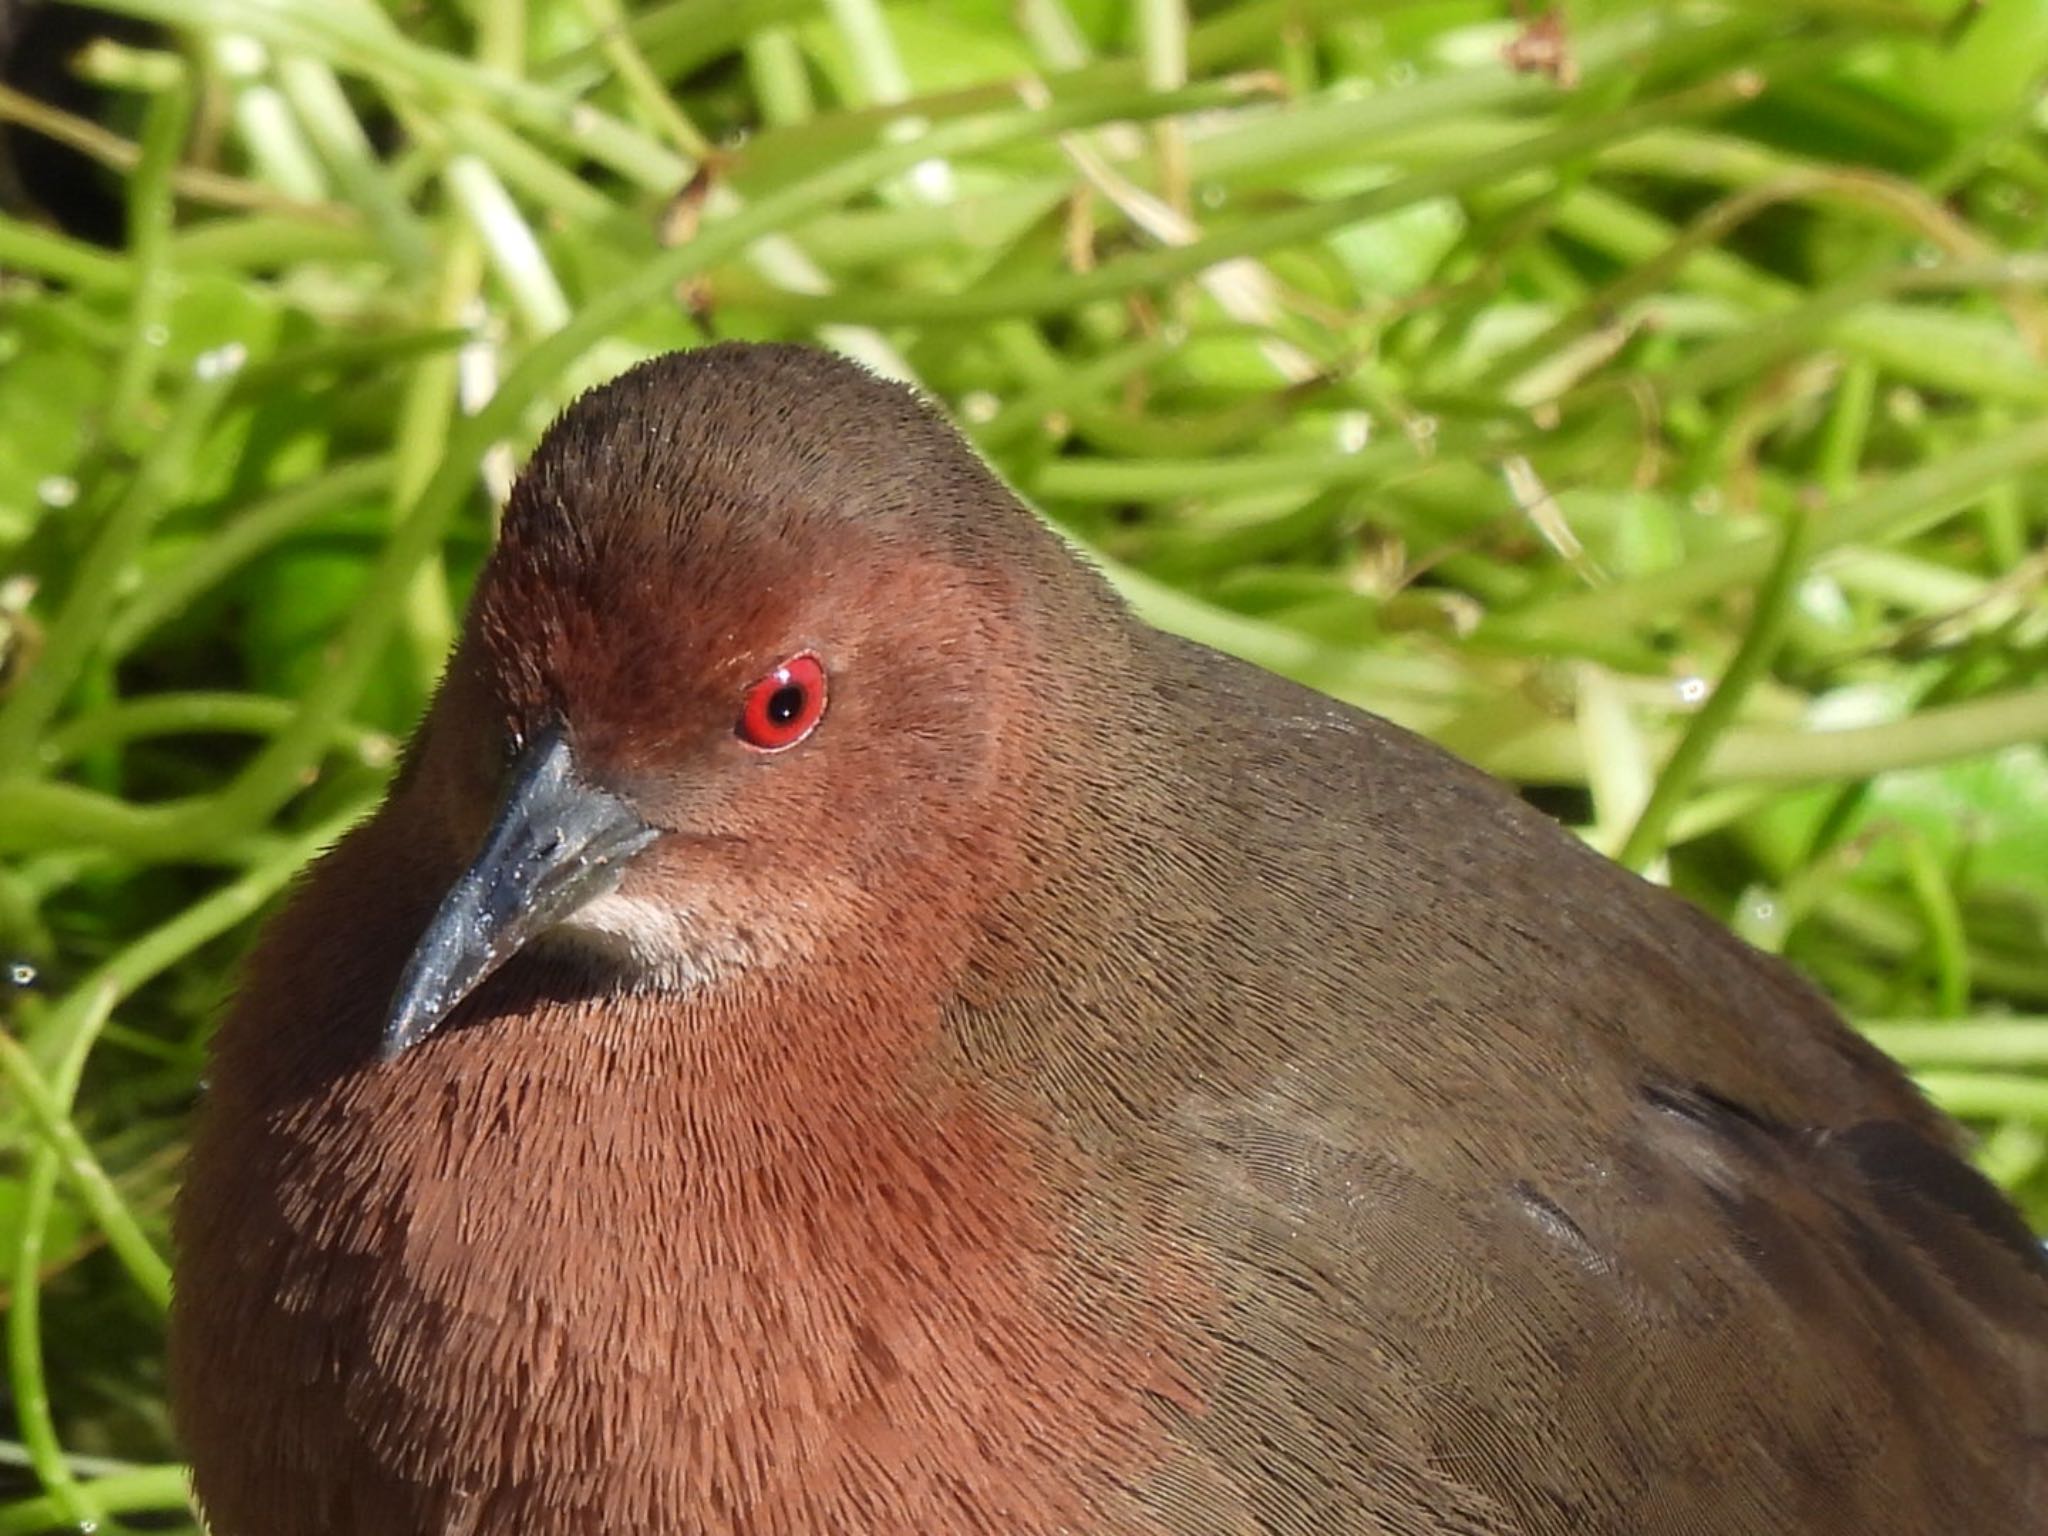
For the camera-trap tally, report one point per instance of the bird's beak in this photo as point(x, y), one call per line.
point(558, 842)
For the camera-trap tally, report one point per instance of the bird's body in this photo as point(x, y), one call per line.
point(1100, 1089)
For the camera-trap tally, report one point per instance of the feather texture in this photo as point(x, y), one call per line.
point(1096, 1087)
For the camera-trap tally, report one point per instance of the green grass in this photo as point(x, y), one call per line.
point(1669, 438)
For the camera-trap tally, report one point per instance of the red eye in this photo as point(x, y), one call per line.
point(785, 706)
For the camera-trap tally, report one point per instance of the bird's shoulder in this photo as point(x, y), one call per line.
point(1393, 899)
point(1498, 1134)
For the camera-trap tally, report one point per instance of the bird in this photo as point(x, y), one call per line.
point(837, 1027)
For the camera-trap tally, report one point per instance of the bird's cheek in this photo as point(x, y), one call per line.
point(686, 916)
point(771, 870)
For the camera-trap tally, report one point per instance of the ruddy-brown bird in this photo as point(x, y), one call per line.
point(840, 1031)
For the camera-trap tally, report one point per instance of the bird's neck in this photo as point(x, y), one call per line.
point(829, 1207)
point(719, 1252)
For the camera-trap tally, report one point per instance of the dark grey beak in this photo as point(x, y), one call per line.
point(557, 843)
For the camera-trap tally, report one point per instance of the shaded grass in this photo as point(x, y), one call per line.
point(1658, 423)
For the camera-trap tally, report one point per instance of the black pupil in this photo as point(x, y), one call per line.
point(785, 704)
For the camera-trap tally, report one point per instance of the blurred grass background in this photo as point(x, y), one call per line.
point(1646, 400)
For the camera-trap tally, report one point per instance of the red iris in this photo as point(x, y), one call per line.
point(785, 706)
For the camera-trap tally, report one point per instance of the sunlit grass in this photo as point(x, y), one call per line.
point(1652, 411)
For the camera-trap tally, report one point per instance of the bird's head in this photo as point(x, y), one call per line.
point(746, 678)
